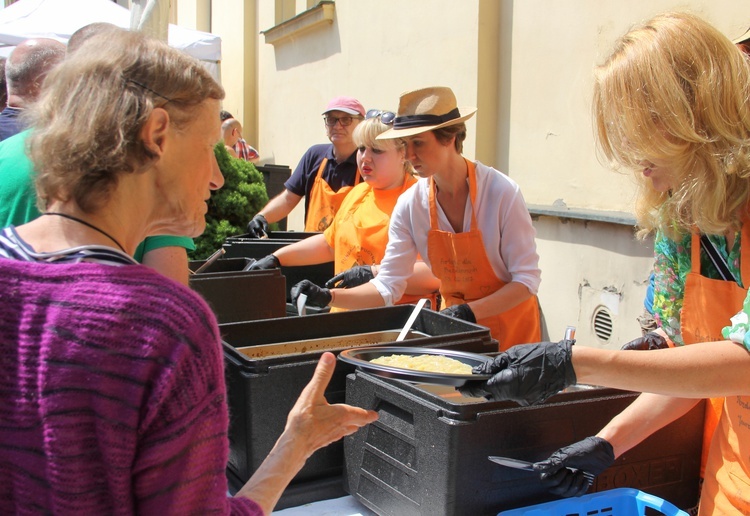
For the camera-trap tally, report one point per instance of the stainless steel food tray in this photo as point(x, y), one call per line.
point(297, 347)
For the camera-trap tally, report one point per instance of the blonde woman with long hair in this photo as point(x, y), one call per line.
point(671, 103)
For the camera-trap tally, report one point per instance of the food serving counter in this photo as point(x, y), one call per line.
point(255, 248)
point(427, 454)
point(232, 293)
point(269, 362)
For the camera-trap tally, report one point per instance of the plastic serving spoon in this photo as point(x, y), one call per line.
point(411, 319)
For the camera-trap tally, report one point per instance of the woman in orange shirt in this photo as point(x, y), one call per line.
point(356, 239)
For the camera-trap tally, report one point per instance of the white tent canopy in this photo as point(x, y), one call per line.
point(58, 19)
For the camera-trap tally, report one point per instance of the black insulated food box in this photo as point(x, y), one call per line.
point(427, 453)
point(269, 362)
point(220, 266)
point(241, 295)
point(243, 247)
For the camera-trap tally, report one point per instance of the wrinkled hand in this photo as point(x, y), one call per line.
point(571, 470)
point(527, 374)
point(650, 341)
point(265, 263)
point(462, 312)
point(314, 422)
point(316, 296)
point(258, 227)
point(357, 275)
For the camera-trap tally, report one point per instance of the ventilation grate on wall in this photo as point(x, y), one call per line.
point(602, 323)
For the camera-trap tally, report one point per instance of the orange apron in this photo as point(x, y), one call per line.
point(459, 261)
point(362, 232)
point(707, 307)
point(324, 202)
point(726, 488)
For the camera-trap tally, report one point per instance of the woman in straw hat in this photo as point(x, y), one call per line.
point(468, 221)
point(670, 103)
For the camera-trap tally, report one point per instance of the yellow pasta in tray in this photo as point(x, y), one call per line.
point(429, 363)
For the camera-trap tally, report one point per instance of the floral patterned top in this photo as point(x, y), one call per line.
point(671, 266)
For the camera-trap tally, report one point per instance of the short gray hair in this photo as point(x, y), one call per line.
point(26, 71)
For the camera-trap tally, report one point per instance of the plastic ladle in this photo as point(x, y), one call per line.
point(411, 319)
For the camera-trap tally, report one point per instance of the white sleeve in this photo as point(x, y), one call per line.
point(400, 253)
point(506, 226)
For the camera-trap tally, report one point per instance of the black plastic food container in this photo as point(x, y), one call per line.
point(220, 266)
point(242, 247)
point(266, 378)
point(427, 453)
point(241, 295)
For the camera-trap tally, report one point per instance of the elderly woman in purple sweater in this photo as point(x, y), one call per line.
point(113, 394)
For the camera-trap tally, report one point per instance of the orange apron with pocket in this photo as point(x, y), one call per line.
point(726, 487)
point(324, 202)
point(708, 306)
point(460, 261)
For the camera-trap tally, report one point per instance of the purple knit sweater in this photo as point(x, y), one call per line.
point(112, 394)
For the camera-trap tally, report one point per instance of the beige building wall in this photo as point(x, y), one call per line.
point(235, 21)
point(527, 65)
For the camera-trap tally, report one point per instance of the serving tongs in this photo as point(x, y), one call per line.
point(209, 261)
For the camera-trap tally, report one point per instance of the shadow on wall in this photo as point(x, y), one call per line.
point(297, 49)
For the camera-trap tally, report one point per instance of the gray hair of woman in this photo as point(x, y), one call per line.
point(87, 122)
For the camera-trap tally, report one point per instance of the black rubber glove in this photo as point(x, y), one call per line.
point(571, 470)
point(462, 312)
point(357, 275)
point(527, 374)
point(265, 263)
point(650, 341)
point(258, 227)
point(316, 296)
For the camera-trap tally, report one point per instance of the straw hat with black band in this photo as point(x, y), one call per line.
point(424, 110)
point(745, 38)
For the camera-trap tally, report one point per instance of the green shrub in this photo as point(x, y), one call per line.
point(232, 206)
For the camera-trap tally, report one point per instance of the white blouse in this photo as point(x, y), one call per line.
point(502, 217)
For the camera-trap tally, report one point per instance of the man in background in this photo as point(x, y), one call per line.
point(25, 70)
point(240, 147)
point(324, 175)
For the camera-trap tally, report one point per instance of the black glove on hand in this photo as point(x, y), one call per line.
point(651, 340)
point(258, 227)
point(316, 296)
point(571, 470)
point(462, 312)
point(527, 374)
point(357, 275)
point(265, 263)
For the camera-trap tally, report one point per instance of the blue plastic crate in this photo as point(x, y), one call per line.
point(615, 502)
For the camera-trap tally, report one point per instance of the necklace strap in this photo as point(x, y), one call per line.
point(81, 221)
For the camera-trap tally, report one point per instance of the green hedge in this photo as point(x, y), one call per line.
point(232, 206)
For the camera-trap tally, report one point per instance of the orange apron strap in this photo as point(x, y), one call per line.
point(714, 406)
point(745, 253)
point(472, 196)
point(472, 169)
point(321, 168)
point(695, 252)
